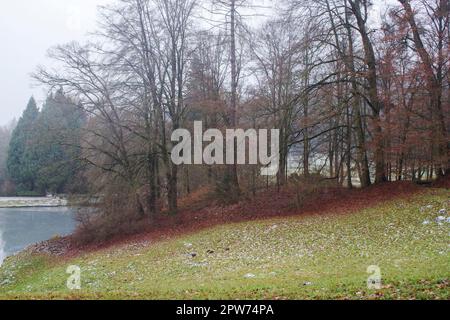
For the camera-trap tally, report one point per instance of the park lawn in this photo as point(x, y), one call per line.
point(324, 256)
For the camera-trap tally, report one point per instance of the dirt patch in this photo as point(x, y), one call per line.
point(54, 247)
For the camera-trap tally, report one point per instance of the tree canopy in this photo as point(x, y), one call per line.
point(43, 155)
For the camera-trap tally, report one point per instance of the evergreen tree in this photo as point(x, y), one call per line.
point(22, 162)
point(58, 131)
point(44, 148)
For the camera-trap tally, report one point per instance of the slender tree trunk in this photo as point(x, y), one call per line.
point(434, 84)
point(231, 174)
point(360, 134)
point(372, 81)
point(349, 149)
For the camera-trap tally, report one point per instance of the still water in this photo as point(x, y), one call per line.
point(21, 227)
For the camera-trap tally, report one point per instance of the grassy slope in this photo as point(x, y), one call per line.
point(329, 253)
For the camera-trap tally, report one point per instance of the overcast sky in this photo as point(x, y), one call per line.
point(28, 28)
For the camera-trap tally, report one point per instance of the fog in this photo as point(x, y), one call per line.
point(28, 29)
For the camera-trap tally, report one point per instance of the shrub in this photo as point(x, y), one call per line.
point(116, 214)
point(311, 186)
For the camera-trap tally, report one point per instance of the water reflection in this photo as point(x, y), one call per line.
point(21, 227)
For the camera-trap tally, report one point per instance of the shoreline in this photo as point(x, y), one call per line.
point(32, 202)
point(36, 206)
point(304, 237)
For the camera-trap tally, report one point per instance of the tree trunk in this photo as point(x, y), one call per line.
point(372, 81)
point(434, 84)
point(364, 172)
point(231, 174)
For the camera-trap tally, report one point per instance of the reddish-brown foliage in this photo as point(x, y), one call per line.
point(442, 182)
point(269, 204)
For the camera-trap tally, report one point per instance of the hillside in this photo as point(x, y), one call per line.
point(323, 253)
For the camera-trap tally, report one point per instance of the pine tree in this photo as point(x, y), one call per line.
point(22, 162)
point(57, 129)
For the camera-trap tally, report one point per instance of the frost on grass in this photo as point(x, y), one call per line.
point(442, 218)
point(276, 258)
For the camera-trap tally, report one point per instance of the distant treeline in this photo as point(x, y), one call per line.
point(41, 154)
point(5, 137)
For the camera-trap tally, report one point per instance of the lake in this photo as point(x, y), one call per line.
point(21, 227)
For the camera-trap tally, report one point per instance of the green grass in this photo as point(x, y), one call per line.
point(316, 257)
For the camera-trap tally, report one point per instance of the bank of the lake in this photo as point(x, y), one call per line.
point(323, 256)
point(21, 227)
point(27, 202)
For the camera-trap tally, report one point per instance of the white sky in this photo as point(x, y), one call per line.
point(28, 28)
